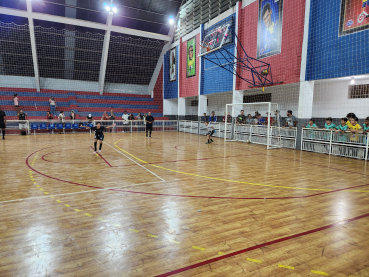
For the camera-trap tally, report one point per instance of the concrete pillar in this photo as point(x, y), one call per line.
point(104, 55)
point(237, 99)
point(306, 97)
point(170, 106)
point(203, 105)
point(70, 41)
point(181, 106)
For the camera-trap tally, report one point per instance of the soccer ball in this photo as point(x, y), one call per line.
point(247, 141)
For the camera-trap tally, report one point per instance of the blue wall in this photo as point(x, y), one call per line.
point(170, 88)
point(331, 56)
point(215, 79)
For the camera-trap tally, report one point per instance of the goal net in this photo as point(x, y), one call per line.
point(258, 123)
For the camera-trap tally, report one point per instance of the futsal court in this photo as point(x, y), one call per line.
point(172, 205)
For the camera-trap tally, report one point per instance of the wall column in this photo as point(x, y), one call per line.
point(306, 97)
point(104, 55)
point(70, 41)
point(237, 99)
point(181, 106)
point(203, 106)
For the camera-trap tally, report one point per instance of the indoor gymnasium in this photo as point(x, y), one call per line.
point(184, 138)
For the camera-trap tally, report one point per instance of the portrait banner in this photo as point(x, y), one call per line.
point(269, 28)
point(172, 65)
point(191, 57)
point(354, 16)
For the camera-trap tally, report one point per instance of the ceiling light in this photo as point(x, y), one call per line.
point(353, 81)
point(114, 9)
point(107, 8)
point(171, 20)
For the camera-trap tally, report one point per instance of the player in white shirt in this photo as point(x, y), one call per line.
point(125, 119)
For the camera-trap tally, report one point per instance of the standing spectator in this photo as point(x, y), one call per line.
point(2, 122)
point(125, 120)
point(61, 118)
point(22, 118)
point(229, 118)
point(212, 118)
point(49, 116)
point(291, 120)
point(311, 125)
point(355, 127)
point(277, 119)
point(52, 105)
point(249, 119)
point(256, 115)
point(328, 124)
point(139, 116)
point(342, 128)
point(72, 116)
point(89, 118)
point(269, 118)
point(366, 126)
point(241, 118)
point(104, 119)
point(16, 103)
point(144, 117)
point(261, 121)
point(149, 122)
point(349, 117)
point(204, 118)
point(112, 118)
point(131, 117)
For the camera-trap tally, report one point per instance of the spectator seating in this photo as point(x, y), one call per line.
point(35, 104)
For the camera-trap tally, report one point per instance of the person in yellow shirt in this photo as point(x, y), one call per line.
point(349, 117)
point(355, 128)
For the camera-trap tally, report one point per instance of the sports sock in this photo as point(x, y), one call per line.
point(150, 133)
point(208, 140)
point(100, 146)
point(3, 133)
point(146, 132)
point(211, 140)
point(95, 143)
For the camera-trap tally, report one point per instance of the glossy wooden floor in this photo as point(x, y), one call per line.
point(174, 205)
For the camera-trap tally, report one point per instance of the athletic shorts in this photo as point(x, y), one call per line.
point(210, 133)
point(149, 127)
point(99, 137)
point(2, 125)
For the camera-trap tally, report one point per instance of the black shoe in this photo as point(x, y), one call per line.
point(3, 138)
point(211, 140)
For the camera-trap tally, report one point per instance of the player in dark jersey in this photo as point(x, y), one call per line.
point(2, 122)
point(99, 133)
point(149, 121)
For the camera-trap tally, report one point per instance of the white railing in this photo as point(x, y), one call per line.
point(43, 126)
point(284, 137)
point(352, 145)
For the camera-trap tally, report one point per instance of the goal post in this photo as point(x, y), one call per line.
point(264, 127)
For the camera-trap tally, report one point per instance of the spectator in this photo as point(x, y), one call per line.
point(144, 117)
point(355, 127)
point(291, 120)
point(229, 118)
point(204, 118)
point(277, 119)
point(72, 116)
point(125, 120)
point(2, 122)
point(89, 118)
point(105, 119)
point(349, 117)
point(139, 116)
point(212, 118)
point(366, 126)
point(16, 103)
point(268, 119)
point(343, 127)
point(311, 125)
point(49, 116)
point(22, 118)
point(131, 117)
point(256, 115)
point(61, 118)
point(249, 119)
point(52, 105)
point(261, 121)
point(112, 118)
point(328, 124)
point(241, 118)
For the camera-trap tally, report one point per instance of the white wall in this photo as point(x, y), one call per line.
point(191, 110)
point(217, 102)
point(126, 88)
point(71, 85)
point(17, 82)
point(170, 106)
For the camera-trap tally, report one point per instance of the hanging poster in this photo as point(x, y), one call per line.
point(354, 16)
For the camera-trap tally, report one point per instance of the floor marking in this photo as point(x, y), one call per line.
point(34, 183)
point(320, 272)
point(254, 260)
point(58, 201)
point(133, 230)
point(46, 192)
point(153, 236)
point(101, 219)
point(90, 215)
point(133, 160)
point(77, 210)
point(220, 253)
point(198, 248)
point(67, 205)
point(41, 189)
point(286, 266)
point(116, 225)
point(176, 242)
point(38, 186)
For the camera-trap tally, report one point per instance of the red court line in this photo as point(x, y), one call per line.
point(180, 270)
point(102, 157)
point(43, 157)
point(189, 196)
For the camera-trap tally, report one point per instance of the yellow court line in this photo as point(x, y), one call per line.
point(133, 230)
point(286, 266)
point(320, 272)
point(198, 248)
point(220, 253)
point(213, 178)
point(254, 260)
point(153, 236)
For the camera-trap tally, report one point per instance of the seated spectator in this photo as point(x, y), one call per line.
point(366, 126)
point(89, 118)
point(261, 121)
point(212, 118)
point(241, 118)
point(355, 127)
point(22, 117)
point(291, 120)
point(277, 119)
point(349, 117)
point(49, 116)
point(204, 118)
point(229, 118)
point(342, 128)
point(311, 125)
point(249, 119)
point(328, 124)
point(256, 115)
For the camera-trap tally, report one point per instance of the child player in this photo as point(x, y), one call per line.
point(328, 124)
point(342, 128)
point(311, 125)
point(366, 125)
point(99, 133)
point(355, 127)
point(210, 132)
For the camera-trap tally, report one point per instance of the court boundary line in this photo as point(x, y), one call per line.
point(102, 157)
point(206, 262)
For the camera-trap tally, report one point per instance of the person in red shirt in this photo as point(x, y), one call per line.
point(105, 117)
point(49, 116)
point(268, 118)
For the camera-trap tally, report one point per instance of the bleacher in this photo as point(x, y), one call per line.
point(36, 104)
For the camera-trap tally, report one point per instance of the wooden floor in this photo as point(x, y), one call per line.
point(172, 205)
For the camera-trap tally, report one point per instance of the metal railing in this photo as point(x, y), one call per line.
point(347, 144)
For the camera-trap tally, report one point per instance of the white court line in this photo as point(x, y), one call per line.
point(68, 193)
point(135, 162)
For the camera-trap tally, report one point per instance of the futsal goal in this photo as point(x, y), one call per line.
point(257, 124)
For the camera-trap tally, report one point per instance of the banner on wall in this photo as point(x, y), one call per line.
point(191, 57)
point(269, 28)
point(172, 65)
point(354, 16)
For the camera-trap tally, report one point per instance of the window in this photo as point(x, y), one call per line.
point(358, 91)
point(265, 97)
